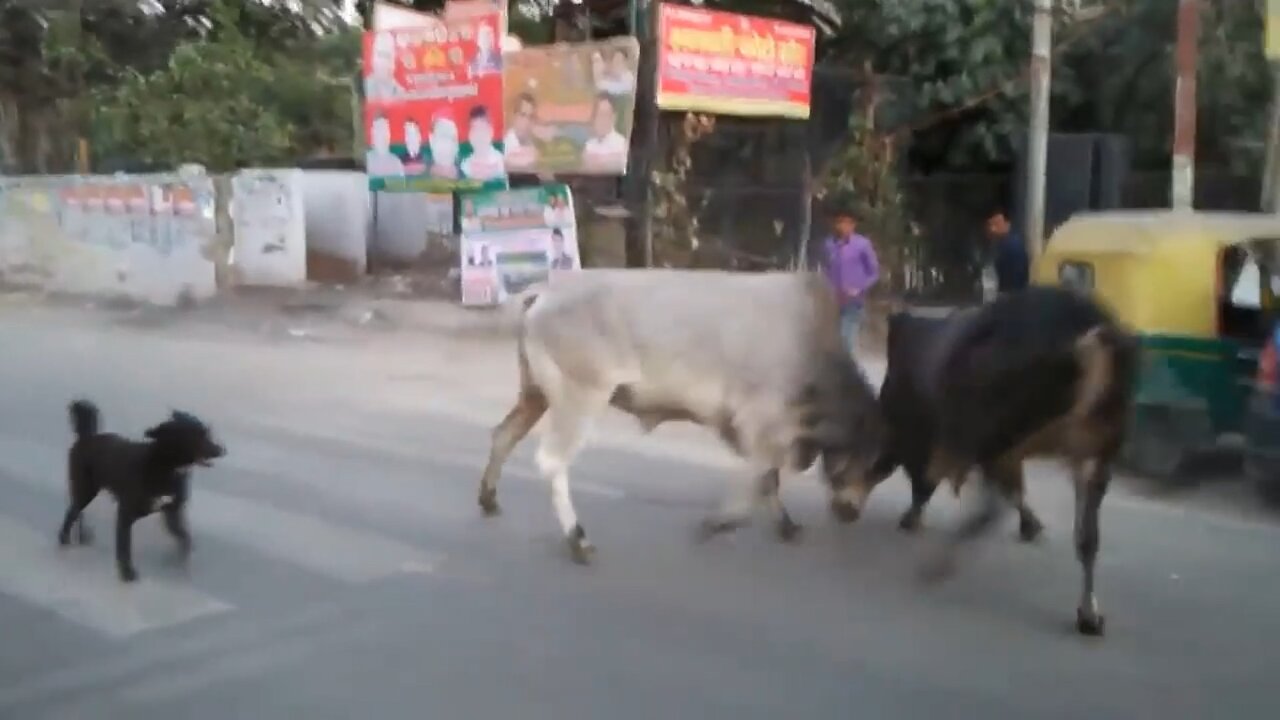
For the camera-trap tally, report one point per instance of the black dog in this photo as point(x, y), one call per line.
point(143, 476)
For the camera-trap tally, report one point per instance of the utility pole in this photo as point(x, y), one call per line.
point(1271, 171)
point(1038, 137)
point(1187, 52)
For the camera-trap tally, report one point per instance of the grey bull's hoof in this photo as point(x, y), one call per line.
point(489, 503)
point(713, 526)
point(1091, 624)
point(845, 512)
point(789, 530)
point(580, 549)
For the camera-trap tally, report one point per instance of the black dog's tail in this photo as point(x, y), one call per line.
point(84, 418)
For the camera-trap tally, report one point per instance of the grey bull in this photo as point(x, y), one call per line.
point(756, 357)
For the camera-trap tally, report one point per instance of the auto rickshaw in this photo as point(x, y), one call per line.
point(1198, 288)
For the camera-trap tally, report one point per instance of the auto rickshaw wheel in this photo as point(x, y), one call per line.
point(1158, 441)
point(1264, 473)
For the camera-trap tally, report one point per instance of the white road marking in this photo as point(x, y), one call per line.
point(222, 639)
point(326, 548)
point(319, 546)
point(82, 586)
point(244, 663)
point(254, 456)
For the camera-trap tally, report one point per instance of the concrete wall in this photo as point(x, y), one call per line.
point(160, 238)
point(339, 210)
point(144, 237)
point(406, 223)
point(268, 219)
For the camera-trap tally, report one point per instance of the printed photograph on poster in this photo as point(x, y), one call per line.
point(570, 107)
point(514, 238)
point(463, 10)
point(731, 64)
point(479, 255)
point(433, 107)
point(560, 257)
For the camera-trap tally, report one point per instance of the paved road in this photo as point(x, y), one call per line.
point(341, 568)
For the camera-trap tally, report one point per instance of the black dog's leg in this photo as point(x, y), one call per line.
point(79, 502)
point(125, 517)
point(175, 522)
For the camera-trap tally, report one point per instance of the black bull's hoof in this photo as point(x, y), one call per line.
point(1030, 529)
point(910, 520)
point(845, 511)
point(1090, 623)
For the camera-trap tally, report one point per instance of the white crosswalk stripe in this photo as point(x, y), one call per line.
point(87, 591)
point(80, 585)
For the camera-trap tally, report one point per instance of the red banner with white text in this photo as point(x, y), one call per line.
point(730, 64)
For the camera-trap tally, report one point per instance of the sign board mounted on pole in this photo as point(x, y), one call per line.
point(730, 64)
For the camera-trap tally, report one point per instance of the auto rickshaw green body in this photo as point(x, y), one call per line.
point(1168, 276)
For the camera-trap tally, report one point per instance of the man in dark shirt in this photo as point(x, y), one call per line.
point(1011, 262)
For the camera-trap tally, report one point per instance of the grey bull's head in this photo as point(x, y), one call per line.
point(844, 423)
point(850, 454)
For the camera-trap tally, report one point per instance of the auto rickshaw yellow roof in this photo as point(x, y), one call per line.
point(1141, 231)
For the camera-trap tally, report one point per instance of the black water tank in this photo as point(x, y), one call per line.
point(1084, 171)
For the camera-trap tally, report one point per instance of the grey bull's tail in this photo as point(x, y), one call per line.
point(84, 418)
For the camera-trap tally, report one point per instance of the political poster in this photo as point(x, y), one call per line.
point(512, 239)
point(462, 10)
point(730, 64)
point(433, 107)
point(570, 108)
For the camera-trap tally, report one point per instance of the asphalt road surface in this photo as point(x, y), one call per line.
point(342, 569)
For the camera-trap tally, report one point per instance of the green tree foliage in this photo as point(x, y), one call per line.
point(223, 82)
point(964, 64)
point(209, 105)
point(943, 86)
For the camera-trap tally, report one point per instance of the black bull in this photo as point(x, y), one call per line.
point(1041, 372)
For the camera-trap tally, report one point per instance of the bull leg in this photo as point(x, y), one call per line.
point(561, 441)
point(1090, 488)
point(738, 505)
point(976, 525)
point(1012, 483)
point(921, 492)
point(529, 408)
point(769, 485)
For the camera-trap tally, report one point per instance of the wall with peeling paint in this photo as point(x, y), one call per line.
point(268, 219)
point(339, 217)
point(148, 238)
point(406, 224)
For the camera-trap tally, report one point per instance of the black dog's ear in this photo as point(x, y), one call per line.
point(155, 432)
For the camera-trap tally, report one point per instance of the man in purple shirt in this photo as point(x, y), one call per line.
point(852, 268)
